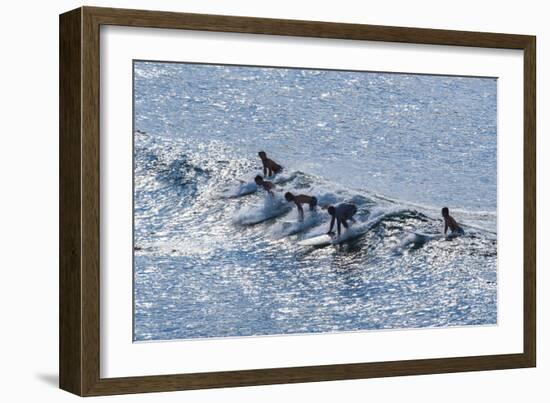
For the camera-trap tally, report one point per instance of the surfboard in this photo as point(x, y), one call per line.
point(419, 239)
point(319, 240)
point(355, 231)
point(352, 233)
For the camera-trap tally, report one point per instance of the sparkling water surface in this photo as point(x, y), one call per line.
point(398, 146)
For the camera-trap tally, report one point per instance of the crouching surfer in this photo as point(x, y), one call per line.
point(299, 200)
point(450, 223)
point(342, 213)
point(265, 185)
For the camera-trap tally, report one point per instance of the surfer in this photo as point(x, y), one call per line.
point(450, 223)
point(265, 185)
point(341, 214)
point(270, 166)
point(299, 200)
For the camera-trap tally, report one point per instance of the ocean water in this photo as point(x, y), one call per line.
point(216, 257)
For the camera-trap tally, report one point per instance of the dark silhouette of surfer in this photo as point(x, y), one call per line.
point(270, 166)
point(450, 223)
point(299, 200)
point(265, 185)
point(341, 214)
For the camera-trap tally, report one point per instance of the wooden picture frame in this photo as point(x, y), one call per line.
point(79, 280)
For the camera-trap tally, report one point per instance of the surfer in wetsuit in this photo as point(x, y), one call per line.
point(450, 223)
point(299, 200)
point(265, 185)
point(341, 214)
point(270, 166)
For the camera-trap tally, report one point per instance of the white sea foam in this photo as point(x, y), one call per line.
point(294, 226)
point(272, 206)
point(243, 189)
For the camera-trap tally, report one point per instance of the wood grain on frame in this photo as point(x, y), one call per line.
point(79, 201)
point(70, 319)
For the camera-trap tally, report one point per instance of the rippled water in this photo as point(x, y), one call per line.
point(398, 146)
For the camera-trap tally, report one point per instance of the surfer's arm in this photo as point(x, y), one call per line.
point(339, 227)
point(331, 225)
point(446, 227)
point(265, 170)
point(300, 211)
